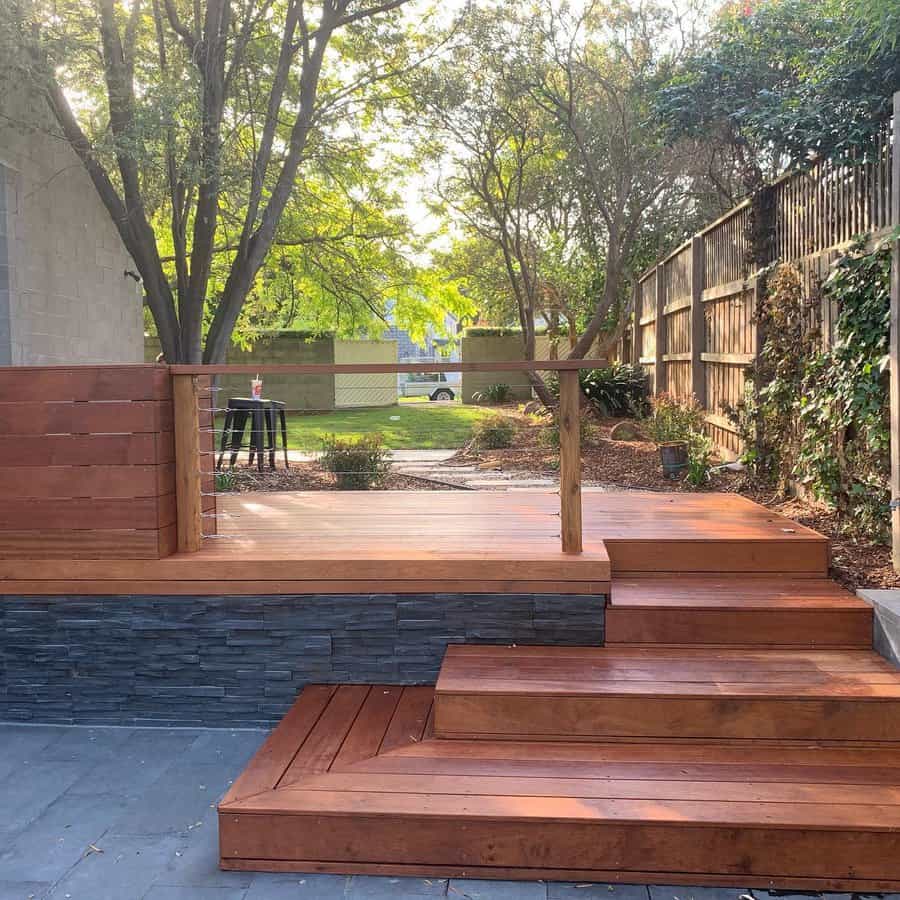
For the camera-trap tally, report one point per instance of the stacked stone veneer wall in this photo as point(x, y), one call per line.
point(240, 661)
point(64, 294)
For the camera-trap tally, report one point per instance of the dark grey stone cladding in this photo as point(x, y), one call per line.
point(240, 661)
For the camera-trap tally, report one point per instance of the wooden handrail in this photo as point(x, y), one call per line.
point(543, 365)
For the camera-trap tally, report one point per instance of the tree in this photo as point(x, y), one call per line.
point(782, 82)
point(204, 114)
point(599, 71)
point(559, 177)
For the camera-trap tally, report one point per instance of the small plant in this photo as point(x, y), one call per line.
point(493, 433)
point(672, 420)
point(700, 449)
point(224, 481)
point(356, 465)
point(549, 435)
point(493, 394)
point(618, 390)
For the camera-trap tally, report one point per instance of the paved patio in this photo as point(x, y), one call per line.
point(129, 814)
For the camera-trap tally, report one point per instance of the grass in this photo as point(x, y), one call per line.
point(408, 426)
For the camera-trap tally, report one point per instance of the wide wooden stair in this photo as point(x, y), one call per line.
point(736, 730)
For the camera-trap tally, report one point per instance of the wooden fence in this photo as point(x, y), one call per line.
point(694, 329)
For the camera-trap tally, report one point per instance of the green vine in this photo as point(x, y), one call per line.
point(820, 417)
point(844, 408)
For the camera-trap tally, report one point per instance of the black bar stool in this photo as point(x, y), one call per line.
point(264, 418)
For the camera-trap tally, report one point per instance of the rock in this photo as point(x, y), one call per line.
point(533, 408)
point(625, 431)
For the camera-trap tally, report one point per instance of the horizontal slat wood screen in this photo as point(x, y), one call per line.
point(87, 462)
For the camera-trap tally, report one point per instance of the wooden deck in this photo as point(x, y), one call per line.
point(441, 541)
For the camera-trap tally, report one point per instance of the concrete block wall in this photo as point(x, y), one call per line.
point(64, 294)
point(357, 390)
point(240, 661)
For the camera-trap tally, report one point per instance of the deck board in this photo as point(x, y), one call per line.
point(444, 541)
point(804, 816)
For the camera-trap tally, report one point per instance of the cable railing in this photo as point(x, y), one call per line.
point(283, 437)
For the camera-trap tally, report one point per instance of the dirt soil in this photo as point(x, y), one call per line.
point(634, 465)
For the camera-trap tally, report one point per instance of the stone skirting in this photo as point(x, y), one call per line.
point(240, 661)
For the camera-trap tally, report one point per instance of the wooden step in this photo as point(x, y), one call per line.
point(585, 693)
point(354, 781)
point(740, 611)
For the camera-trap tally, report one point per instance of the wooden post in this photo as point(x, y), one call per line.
point(570, 461)
point(636, 326)
point(895, 341)
point(698, 320)
point(187, 463)
point(659, 369)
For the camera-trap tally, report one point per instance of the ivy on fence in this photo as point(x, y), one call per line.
point(818, 416)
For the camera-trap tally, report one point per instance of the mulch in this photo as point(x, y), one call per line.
point(309, 477)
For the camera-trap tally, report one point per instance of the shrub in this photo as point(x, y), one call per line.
point(672, 419)
point(224, 481)
point(549, 435)
point(699, 459)
point(356, 465)
point(618, 390)
point(493, 394)
point(493, 433)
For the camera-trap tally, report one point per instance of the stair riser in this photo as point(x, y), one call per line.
point(590, 718)
point(562, 850)
point(788, 557)
point(847, 629)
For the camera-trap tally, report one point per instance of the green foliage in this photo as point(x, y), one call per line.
point(821, 417)
point(780, 80)
point(767, 415)
point(671, 419)
point(700, 451)
point(844, 454)
point(225, 481)
point(549, 435)
point(618, 390)
point(493, 394)
point(356, 464)
point(493, 433)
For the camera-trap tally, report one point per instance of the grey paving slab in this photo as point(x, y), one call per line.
point(386, 888)
point(23, 890)
point(183, 796)
point(86, 744)
point(196, 862)
point(580, 890)
point(474, 889)
point(168, 892)
point(679, 892)
point(297, 887)
point(137, 762)
point(29, 790)
point(125, 870)
point(25, 742)
point(228, 748)
point(59, 837)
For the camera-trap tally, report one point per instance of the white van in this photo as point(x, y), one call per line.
point(434, 386)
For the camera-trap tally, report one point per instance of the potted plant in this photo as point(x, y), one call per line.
point(671, 425)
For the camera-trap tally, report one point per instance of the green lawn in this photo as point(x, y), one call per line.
point(409, 426)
